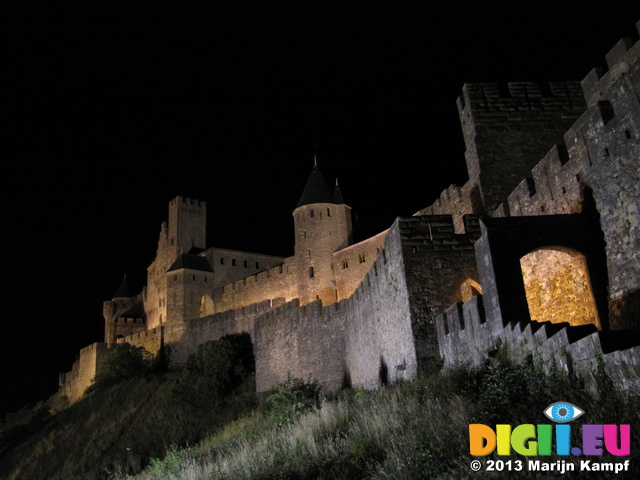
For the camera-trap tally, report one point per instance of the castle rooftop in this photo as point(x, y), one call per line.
point(191, 262)
point(316, 190)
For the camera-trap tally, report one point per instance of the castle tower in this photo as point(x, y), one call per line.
point(123, 315)
point(322, 223)
point(185, 233)
point(188, 280)
point(508, 128)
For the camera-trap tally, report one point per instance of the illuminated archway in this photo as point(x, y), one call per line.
point(469, 289)
point(206, 306)
point(558, 288)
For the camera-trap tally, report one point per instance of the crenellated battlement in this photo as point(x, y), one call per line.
point(189, 202)
point(437, 233)
point(623, 54)
point(466, 337)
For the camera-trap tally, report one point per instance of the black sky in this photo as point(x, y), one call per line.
point(113, 110)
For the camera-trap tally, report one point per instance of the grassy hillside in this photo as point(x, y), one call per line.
point(132, 415)
point(158, 426)
point(417, 430)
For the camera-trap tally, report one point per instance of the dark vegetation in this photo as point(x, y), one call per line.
point(203, 422)
point(134, 411)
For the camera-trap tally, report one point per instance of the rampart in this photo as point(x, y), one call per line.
point(457, 202)
point(467, 337)
point(364, 341)
point(437, 263)
point(151, 340)
point(507, 128)
point(73, 384)
point(352, 263)
point(276, 282)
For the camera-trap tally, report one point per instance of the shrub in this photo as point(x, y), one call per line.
point(215, 370)
point(291, 398)
point(123, 362)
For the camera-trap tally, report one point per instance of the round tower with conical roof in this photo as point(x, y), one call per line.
point(123, 314)
point(323, 226)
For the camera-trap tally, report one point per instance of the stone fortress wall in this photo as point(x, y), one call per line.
point(596, 173)
point(506, 245)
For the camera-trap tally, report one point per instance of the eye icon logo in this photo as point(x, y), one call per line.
point(563, 412)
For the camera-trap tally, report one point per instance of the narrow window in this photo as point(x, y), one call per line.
point(233, 262)
point(257, 265)
point(221, 260)
point(311, 272)
point(246, 264)
point(194, 278)
point(345, 264)
point(311, 214)
point(328, 212)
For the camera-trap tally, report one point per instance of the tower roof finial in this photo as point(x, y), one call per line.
point(315, 154)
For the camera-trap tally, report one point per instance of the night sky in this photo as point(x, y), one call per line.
point(114, 110)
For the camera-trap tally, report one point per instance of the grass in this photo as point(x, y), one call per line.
point(410, 431)
point(141, 429)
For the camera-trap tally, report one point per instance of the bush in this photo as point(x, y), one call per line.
point(292, 398)
point(215, 370)
point(123, 362)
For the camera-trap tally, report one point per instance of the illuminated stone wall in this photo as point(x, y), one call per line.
point(151, 340)
point(185, 230)
point(276, 282)
point(351, 264)
point(74, 383)
point(558, 288)
point(457, 202)
point(437, 263)
point(321, 229)
point(232, 265)
point(362, 341)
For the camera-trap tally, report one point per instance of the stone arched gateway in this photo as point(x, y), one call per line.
point(505, 241)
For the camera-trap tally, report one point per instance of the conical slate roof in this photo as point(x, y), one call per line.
point(124, 291)
point(316, 190)
point(337, 195)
